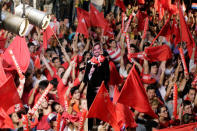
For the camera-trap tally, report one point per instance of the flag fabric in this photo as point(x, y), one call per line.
point(82, 28)
point(141, 16)
point(96, 18)
point(186, 35)
point(123, 113)
point(141, 1)
point(165, 31)
point(103, 109)
point(8, 94)
point(176, 32)
point(158, 53)
point(134, 95)
point(120, 3)
point(85, 14)
point(115, 78)
point(21, 53)
point(2, 42)
point(46, 36)
point(5, 120)
point(185, 127)
point(3, 77)
point(37, 62)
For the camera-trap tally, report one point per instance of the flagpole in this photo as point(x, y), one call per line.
point(179, 22)
point(56, 38)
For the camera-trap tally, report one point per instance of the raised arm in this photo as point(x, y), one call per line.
point(47, 65)
point(20, 88)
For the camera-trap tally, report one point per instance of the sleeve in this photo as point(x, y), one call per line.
point(106, 71)
point(88, 66)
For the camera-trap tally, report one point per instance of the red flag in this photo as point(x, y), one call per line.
point(85, 14)
point(141, 1)
point(158, 53)
point(184, 127)
point(175, 95)
point(5, 120)
point(8, 94)
point(103, 109)
point(2, 74)
point(176, 32)
point(82, 28)
point(120, 3)
point(96, 18)
point(124, 115)
point(166, 4)
point(141, 16)
point(133, 94)
point(2, 42)
point(115, 78)
point(21, 53)
point(186, 35)
point(165, 31)
point(46, 36)
point(37, 62)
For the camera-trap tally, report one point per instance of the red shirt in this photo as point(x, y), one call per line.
point(43, 123)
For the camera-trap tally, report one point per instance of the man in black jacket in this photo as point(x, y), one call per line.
point(97, 70)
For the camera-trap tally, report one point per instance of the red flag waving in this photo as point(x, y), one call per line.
point(8, 94)
point(103, 109)
point(97, 18)
point(2, 74)
point(46, 36)
point(141, 16)
point(186, 35)
point(141, 1)
point(5, 120)
point(133, 94)
point(158, 53)
point(124, 115)
point(120, 3)
point(115, 78)
point(184, 127)
point(165, 31)
point(85, 14)
point(176, 32)
point(21, 53)
point(37, 62)
point(82, 28)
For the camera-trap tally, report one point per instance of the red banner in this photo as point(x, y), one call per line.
point(185, 127)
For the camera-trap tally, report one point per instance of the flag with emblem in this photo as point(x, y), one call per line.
point(84, 14)
point(103, 109)
point(82, 28)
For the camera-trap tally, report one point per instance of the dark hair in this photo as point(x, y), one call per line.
point(73, 90)
point(192, 89)
point(154, 64)
point(48, 49)
point(160, 107)
point(54, 58)
point(53, 106)
point(54, 82)
point(30, 44)
point(150, 87)
point(135, 47)
point(186, 103)
point(43, 84)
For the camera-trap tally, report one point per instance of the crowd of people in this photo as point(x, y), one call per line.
point(76, 65)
